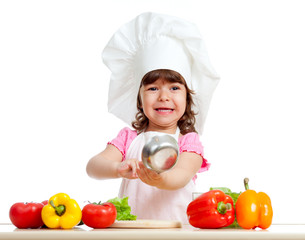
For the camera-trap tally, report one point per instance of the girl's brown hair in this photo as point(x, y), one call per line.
point(187, 122)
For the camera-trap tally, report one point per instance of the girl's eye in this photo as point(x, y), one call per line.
point(152, 89)
point(175, 88)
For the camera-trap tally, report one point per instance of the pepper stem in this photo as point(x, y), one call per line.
point(59, 210)
point(222, 207)
point(246, 183)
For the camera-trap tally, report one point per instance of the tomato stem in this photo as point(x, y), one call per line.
point(59, 210)
point(246, 183)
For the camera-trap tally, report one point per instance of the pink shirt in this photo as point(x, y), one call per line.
point(189, 142)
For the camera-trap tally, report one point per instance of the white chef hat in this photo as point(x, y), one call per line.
point(154, 41)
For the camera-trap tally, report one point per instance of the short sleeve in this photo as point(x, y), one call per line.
point(123, 140)
point(190, 142)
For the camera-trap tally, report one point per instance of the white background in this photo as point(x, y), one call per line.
point(53, 97)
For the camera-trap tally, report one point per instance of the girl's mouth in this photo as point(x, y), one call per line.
point(164, 110)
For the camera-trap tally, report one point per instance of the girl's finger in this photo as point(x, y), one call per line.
point(134, 169)
point(137, 162)
point(141, 172)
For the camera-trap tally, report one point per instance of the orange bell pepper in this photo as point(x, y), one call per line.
point(253, 209)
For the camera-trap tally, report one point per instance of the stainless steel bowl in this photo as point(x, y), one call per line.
point(160, 153)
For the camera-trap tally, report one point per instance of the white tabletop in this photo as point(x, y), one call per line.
point(8, 231)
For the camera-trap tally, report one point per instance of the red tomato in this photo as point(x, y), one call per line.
point(26, 215)
point(99, 215)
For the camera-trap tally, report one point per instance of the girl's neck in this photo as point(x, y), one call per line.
point(169, 129)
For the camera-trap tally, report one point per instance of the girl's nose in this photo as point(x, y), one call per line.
point(164, 96)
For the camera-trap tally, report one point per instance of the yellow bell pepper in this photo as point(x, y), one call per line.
point(61, 212)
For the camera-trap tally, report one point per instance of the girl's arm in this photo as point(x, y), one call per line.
point(187, 166)
point(109, 164)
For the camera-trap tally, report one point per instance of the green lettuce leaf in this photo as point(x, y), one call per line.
point(123, 209)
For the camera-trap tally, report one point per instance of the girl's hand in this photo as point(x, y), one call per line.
point(128, 168)
point(148, 176)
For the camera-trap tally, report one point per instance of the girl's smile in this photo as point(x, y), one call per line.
point(163, 103)
point(164, 110)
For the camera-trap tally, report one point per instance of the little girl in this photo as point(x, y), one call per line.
point(161, 83)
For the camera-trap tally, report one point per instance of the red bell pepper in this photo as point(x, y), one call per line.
point(213, 209)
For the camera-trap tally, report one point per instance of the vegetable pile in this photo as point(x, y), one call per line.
point(62, 212)
point(217, 208)
point(220, 207)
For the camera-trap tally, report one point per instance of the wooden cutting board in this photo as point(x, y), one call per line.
point(146, 223)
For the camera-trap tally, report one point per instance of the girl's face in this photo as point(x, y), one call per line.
point(163, 104)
